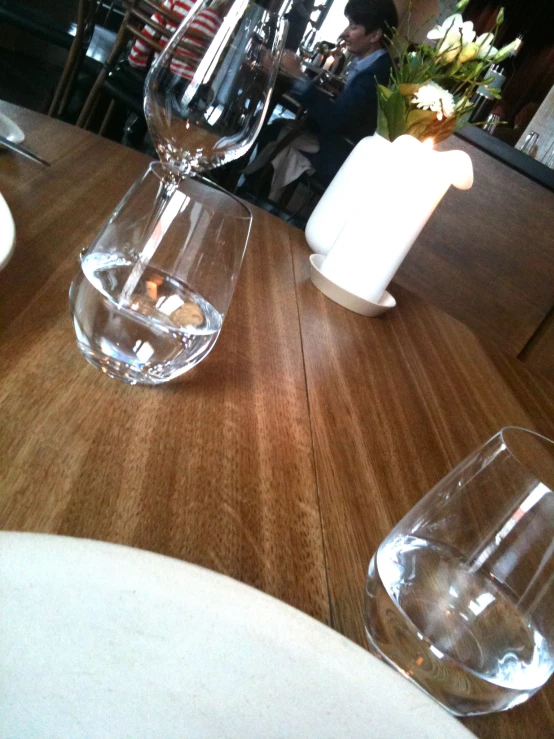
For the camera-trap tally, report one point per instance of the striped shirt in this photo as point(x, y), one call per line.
point(185, 61)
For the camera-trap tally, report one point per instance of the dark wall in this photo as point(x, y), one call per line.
point(531, 73)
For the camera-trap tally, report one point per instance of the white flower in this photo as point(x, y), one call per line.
point(452, 36)
point(486, 49)
point(431, 96)
point(453, 25)
point(508, 50)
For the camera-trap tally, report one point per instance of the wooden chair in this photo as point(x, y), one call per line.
point(116, 77)
point(85, 28)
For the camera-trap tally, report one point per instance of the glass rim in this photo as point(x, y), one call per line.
point(502, 434)
point(156, 166)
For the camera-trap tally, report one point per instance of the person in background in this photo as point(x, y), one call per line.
point(128, 123)
point(333, 125)
point(298, 18)
point(202, 32)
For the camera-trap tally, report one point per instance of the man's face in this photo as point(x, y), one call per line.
point(357, 41)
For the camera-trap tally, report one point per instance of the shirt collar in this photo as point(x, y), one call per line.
point(359, 65)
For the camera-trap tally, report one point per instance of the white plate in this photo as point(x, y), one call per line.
point(7, 233)
point(10, 130)
point(100, 640)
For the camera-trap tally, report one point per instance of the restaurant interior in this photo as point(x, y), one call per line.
point(277, 368)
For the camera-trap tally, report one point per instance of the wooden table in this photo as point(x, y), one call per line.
point(283, 459)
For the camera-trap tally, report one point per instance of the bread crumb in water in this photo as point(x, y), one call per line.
point(189, 314)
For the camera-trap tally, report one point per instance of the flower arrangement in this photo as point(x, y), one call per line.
point(432, 85)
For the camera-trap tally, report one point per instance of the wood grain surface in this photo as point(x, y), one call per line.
point(285, 457)
point(486, 255)
point(538, 354)
point(395, 404)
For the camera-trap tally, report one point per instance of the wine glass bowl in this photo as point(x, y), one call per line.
point(209, 112)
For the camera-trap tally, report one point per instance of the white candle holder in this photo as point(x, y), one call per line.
point(345, 298)
point(374, 210)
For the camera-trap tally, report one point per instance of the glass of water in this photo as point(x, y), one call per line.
point(460, 595)
point(152, 291)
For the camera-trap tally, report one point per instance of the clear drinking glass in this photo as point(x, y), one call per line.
point(205, 100)
point(152, 291)
point(492, 122)
point(460, 595)
point(530, 145)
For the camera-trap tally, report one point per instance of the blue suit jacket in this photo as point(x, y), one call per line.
point(352, 115)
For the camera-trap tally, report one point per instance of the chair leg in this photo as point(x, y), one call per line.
point(69, 89)
point(107, 117)
point(287, 193)
point(73, 59)
point(92, 111)
point(92, 100)
point(94, 95)
point(64, 80)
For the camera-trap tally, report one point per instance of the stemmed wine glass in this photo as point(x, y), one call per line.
point(206, 97)
point(205, 102)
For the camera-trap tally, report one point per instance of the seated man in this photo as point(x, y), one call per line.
point(351, 116)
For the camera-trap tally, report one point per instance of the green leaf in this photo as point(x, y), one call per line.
point(394, 111)
point(382, 125)
point(463, 119)
point(384, 91)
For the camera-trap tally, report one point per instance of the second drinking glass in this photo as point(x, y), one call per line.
point(460, 595)
point(152, 291)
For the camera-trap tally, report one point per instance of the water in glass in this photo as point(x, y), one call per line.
point(454, 630)
point(163, 330)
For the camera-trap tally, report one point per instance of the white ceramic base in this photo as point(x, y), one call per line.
point(347, 299)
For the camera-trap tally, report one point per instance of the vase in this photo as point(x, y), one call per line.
point(375, 208)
